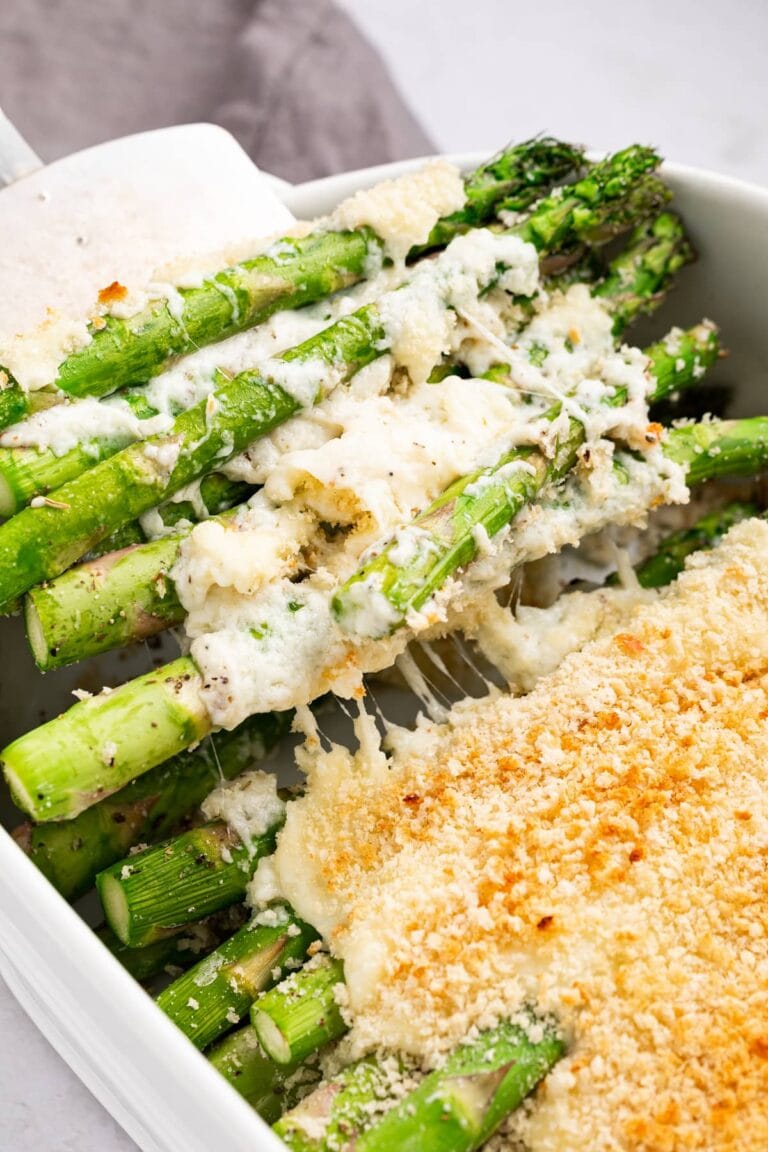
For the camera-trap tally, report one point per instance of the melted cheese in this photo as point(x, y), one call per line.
point(404, 211)
point(366, 459)
point(596, 847)
point(249, 804)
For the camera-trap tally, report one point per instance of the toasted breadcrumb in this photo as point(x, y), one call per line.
point(597, 847)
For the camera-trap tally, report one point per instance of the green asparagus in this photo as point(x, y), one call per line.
point(459, 1106)
point(150, 808)
point(268, 1087)
point(218, 992)
point(155, 892)
point(669, 559)
point(300, 1015)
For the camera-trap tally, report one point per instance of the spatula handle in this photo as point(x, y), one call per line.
point(16, 157)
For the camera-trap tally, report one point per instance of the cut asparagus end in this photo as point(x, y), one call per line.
point(41, 653)
point(101, 744)
point(218, 992)
point(9, 501)
point(115, 905)
point(172, 884)
point(301, 1015)
point(271, 1038)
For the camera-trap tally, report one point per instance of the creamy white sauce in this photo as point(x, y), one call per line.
point(366, 458)
point(249, 804)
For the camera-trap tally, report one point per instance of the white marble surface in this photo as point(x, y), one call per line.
point(688, 77)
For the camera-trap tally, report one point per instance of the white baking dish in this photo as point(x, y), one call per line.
point(145, 1072)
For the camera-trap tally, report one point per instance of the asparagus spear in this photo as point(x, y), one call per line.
point(119, 597)
point(716, 448)
point(155, 892)
point(218, 992)
point(29, 472)
point(460, 1106)
point(444, 536)
point(113, 738)
point(292, 273)
point(336, 1113)
point(669, 559)
point(84, 511)
point(154, 959)
point(71, 853)
point(116, 599)
point(268, 1087)
point(300, 1015)
point(510, 181)
point(59, 768)
point(656, 251)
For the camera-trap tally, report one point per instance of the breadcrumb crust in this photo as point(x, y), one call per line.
point(598, 846)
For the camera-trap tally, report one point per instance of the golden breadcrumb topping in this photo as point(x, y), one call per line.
point(597, 847)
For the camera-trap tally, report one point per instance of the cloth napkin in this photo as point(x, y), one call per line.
point(293, 80)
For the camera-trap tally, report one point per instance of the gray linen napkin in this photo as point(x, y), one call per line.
point(293, 80)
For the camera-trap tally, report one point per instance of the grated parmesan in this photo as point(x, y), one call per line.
point(404, 211)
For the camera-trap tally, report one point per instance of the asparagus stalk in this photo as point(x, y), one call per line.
point(89, 508)
point(217, 993)
point(155, 892)
point(681, 359)
point(150, 808)
point(300, 1015)
point(715, 448)
point(669, 559)
point(336, 1113)
point(460, 1105)
point(267, 1086)
point(655, 252)
point(116, 599)
point(292, 273)
point(445, 535)
point(144, 964)
point(101, 744)
point(27, 472)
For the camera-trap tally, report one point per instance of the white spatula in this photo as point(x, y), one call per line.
point(168, 204)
